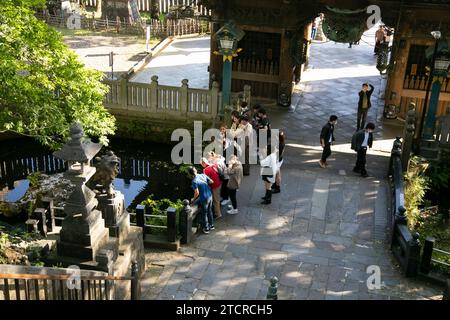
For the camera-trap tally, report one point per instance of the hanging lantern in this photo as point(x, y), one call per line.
point(344, 25)
point(382, 58)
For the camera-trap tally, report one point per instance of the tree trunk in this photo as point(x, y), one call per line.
point(98, 7)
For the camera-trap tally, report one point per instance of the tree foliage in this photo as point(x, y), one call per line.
point(416, 185)
point(44, 87)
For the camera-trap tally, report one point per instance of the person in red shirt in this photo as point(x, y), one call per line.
point(212, 172)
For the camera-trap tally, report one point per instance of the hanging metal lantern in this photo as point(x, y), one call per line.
point(382, 58)
point(344, 25)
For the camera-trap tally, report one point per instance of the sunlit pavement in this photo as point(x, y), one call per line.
point(185, 58)
point(325, 228)
point(94, 50)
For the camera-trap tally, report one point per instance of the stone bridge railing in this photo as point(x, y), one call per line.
point(160, 102)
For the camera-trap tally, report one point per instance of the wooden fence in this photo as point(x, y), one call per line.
point(41, 283)
point(19, 168)
point(162, 102)
point(420, 83)
point(261, 75)
point(162, 29)
point(427, 260)
point(162, 5)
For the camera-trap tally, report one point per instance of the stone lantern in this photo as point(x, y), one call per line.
point(96, 233)
point(83, 230)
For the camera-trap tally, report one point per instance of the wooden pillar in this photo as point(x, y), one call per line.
point(307, 29)
point(215, 67)
point(286, 65)
point(394, 85)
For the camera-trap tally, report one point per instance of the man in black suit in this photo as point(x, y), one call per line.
point(326, 140)
point(362, 140)
point(364, 105)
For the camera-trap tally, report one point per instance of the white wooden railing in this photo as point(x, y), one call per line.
point(160, 101)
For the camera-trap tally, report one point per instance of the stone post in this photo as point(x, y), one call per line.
point(135, 282)
point(413, 258)
point(123, 93)
point(154, 94)
point(185, 223)
point(184, 97)
point(446, 295)
point(47, 203)
point(272, 293)
point(40, 215)
point(425, 263)
point(171, 224)
point(215, 101)
point(410, 128)
point(140, 216)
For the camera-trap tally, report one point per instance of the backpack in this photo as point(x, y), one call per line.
point(354, 137)
point(221, 172)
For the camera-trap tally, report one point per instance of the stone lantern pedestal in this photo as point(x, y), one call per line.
point(96, 233)
point(83, 231)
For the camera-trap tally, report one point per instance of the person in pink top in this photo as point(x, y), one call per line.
point(212, 172)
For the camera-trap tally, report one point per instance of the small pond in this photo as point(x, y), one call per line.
point(145, 169)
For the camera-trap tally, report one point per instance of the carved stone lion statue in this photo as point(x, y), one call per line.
point(107, 170)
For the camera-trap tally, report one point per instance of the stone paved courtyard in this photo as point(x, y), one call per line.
point(324, 229)
point(184, 58)
point(93, 50)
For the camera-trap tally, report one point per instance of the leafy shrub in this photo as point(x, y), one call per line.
point(431, 223)
point(33, 178)
point(416, 185)
point(159, 207)
point(439, 172)
point(420, 178)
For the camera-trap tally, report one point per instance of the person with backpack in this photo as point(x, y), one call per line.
point(212, 172)
point(219, 160)
point(203, 196)
point(234, 172)
point(362, 140)
point(327, 139)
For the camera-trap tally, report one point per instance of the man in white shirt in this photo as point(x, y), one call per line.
point(363, 140)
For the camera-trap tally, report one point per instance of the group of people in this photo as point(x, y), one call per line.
point(362, 139)
point(223, 173)
point(218, 179)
